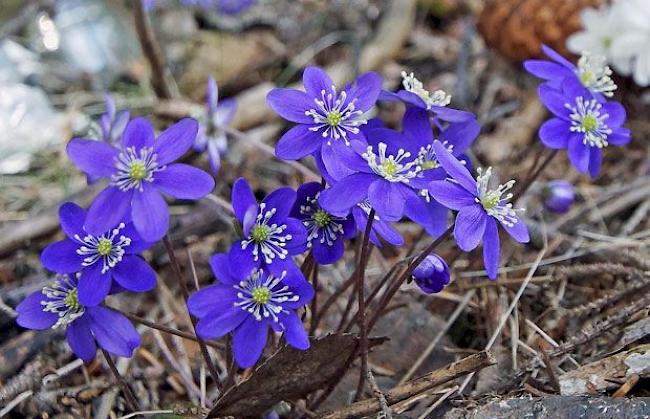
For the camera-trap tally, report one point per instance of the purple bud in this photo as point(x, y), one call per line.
point(432, 274)
point(558, 196)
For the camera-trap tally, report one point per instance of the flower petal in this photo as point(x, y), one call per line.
point(249, 342)
point(454, 168)
point(212, 299)
point(107, 210)
point(595, 161)
point(220, 264)
point(616, 113)
point(72, 218)
point(113, 331)
point(134, 274)
point(282, 199)
point(450, 194)
point(31, 314)
point(326, 254)
point(519, 231)
point(469, 227)
point(95, 158)
point(183, 181)
point(138, 134)
point(297, 143)
point(491, 251)
point(386, 199)
point(555, 133)
point(461, 135)
point(579, 153)
point(150, 213)
point(291, 104)
point(416, 124)
point(62, 257)
point(242, 198)
point(81, 340)
point(217, 325)
point(93, 285)
point(316, 80)
point(554, 101)
point(173, 142)
point(294, 331)
point(345, 194)
point(242, 261)
point(366, 90)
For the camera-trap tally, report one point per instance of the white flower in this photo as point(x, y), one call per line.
point(600, 26)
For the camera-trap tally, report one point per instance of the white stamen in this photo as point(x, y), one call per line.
point(399, 168)
point(92, 245)
point(275, 241)
point(594, 74)
point(587, 118)
point(335, 115)
point(413, 85)
point(62, 300)
point(328, 233)
point(275, 290)
point(128, 162)
point(493, 200)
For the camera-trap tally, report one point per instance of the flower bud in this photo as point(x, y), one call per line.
point(432, 274)
point(558, 196)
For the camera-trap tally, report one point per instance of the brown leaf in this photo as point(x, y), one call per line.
point(290, 374)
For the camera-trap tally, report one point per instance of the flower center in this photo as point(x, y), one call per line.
point(267, 238)
point(335, 116)
point(413, 85)
point(109, 248)
point(594, 74)
point(261, 295)
point(319, 224)
point(134, 168)
point(495, 201)
point(586, 118)
point(62, 299)
point(321, 218)
point(398, 168)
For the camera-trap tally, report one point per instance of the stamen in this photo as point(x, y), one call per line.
point(594, 74)
point(335, 116)
point(586, 118)
point(413, 85)
point(109, 248)
point(134, 168)
point(493, 200)
point(398, 168)
point(62, 300)
point(320, 223)
point(267, 239)
point(263, 295)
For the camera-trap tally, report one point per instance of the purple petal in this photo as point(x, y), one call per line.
point(416, 124)
point(113, 331)
point(242, 261)
point(470, 225)
point(93, 285)
point(386, 199)
point(315, 81)
point(297, 143)
point(296, 281)
point(579, 153)
point(341, 160)
point(555, 56)
point(212, 94)
point(242, 198)
point(619, 136)
point(451, 195)
point(220, 264)
point(107, 210)
point(546, 70)
point(249, 220)
point(226, 112)
point(461, 135)
point(282, 200)
point(31, 314)
point(220, 324)
point(595, 161)
point(62, 257)
point(72, 218)
point(95, 158)
point(291, 104)
point(554, 101)
point(347, 193)
point(150, 213)
point(175, 140)
point(294, 332)
point(519, 231)
point(81, 340)
point(183, 181)
point(249, 341)
point(326, 254)
point(134, 274)
point(214, 155)
point(454, 168)
point(298, 243)
point(138, 134)
point(616, 113)
point(555, 133)
point(213, 299)
point(366, 90)
point(491, 249)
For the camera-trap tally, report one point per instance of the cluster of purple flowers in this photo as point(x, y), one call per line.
point(584, 122)
point(371, 174)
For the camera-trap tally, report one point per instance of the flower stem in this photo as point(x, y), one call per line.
point(314, 301)
point(361, 273)
point(186, 294)
point(128, 393)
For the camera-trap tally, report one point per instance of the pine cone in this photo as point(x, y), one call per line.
point(518, 28)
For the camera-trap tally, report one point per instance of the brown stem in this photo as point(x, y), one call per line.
point(186, 294)
point(128, 393)
point(314, 301)
point(361, 274)
point(535, 174)
point(160, 74)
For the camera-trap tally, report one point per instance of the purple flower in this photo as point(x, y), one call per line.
point(432, 274)
point(212, 131)
point(479, 208)
point(58, 305)
point(380, 230)
point(558, 195)
point(386, 171)
point(99, 259)
point(414, 94)
point(592, 72)
point(582, 124)
point(139, 169)
point(270, 235)
point(112, 123)
point(326, 233)
point(233, 7)
point(248, 304)
point(327, 120)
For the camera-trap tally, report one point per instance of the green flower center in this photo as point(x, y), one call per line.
point(586, 78)
point(490, 200)
point(261, 295)
point(334, 118)
point(260, 233)
point(430, 164)
point(321, 218)
point(389, 167)
point(72, 300)
point(138, 170)
point(104, 247)
point(590, 123)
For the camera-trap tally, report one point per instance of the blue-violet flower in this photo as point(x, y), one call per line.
point(432, 274)
point(558, 196)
